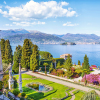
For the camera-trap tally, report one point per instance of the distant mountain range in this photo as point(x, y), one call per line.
point(79, 37)
point(18, 36)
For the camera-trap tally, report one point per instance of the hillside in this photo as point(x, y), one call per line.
point(80, 37)
point(35, 38)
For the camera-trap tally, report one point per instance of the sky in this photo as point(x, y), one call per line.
point(52, 17)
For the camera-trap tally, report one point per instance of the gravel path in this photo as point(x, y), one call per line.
point(83, 88)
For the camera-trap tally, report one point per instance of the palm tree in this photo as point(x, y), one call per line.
point(45, 64)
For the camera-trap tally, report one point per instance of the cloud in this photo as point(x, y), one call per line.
point(4, 2)
point(0, 6)
point(42, 10)
point(69, 24)
point(25, 23)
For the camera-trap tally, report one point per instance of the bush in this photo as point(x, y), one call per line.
point(1, 85)
point(0, 93)
point(60, 72)
point(54, 72)
point(16, 92)
point(22, 98)
point(23, 94)
point(15, 82)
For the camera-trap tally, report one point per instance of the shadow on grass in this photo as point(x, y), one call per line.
point(36, 95)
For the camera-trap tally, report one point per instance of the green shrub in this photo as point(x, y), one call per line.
point(23, 94)
point(0, 93)
point(1, 85)
point(22, 98)
point(16, 92)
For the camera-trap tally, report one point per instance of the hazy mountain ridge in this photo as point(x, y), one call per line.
point(80, 37)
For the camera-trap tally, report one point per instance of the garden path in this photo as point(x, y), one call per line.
point(73, 96)
point(69, 84)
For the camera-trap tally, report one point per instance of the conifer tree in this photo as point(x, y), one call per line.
point(3, 49)
point(68, 65)
point(26, 53)
point(58, 65)
point(34, 59)
point(17, 58)
point(85, 65)
point(79, 63)
point(8, 52)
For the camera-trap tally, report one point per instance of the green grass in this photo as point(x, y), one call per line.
point(78, 94)
point(58, 92)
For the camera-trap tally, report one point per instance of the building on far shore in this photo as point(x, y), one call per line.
point(65, 56)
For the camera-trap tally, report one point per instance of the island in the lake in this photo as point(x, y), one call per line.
point(68, 43)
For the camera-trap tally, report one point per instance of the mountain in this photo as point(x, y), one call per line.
point(4, 33)
point(36, 37)
point(80, 37)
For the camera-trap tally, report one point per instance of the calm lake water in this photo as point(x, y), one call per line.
point(77, 51)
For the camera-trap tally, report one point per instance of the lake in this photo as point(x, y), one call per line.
point(77, 51)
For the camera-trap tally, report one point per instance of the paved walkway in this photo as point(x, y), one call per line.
point(73, 96)
point(83, 88)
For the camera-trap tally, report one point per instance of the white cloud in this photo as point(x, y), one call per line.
point(25, 23)
point(34, 10)
point(4, 2)
point(70, 24)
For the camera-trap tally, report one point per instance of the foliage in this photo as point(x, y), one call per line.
point(22, 98)
point(16, 92)
point(23, 94)
point(1, 85)
point(60, 72)
point(17, 58)
point(0, 93)
point(51, 68)
point(85, 64)
point(8, 52)
point(15, 82)
point(45, 64)
point(3, 49)
point(54, 72)
point(26, 53)
point(5, 66)
point(58, 65)
point(91, 78)
point(34, 59)
point(5, 81)
point(79, 63)
point(45, 55)
point(89, 96)
point(68, 65)
point(34, 85)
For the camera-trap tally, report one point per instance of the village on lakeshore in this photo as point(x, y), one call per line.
point(30, 69)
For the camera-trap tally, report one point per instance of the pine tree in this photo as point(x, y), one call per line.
point(26, 53)
point(3, 49)
point(34, 59)
point(17, 58)
point(8, 52)
point(68, 65)
point(85, 65)
point(79, 63)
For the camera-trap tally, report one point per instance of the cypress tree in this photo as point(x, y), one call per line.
point(79, 63)
point(3, 49)
point(8, 52)
point(26, 53)
point(34, 59)
point(16, 58)
point(68, 65)
point(85, 65)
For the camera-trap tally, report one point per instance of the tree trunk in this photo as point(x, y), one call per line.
point(45, 69)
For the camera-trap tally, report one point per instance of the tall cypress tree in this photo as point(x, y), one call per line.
point(68, 65)
point(3, 49)
point(17, 58)
point(26, 53)
point(8, 52)
point(85, 64)
point(34, 59)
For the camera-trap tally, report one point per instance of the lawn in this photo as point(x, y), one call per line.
point(59, 91)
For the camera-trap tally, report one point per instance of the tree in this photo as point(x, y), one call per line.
point(68, 65)
point(85, 65)
point(34, 59)
point(3, 49)
point(17, 58)
point(26, 53)
point(58, 65)
point(45, 64)
point(8, 52)
point(51, 68)
point(79, 63)
point(45, 55)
